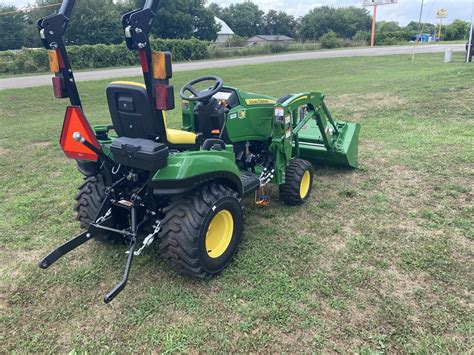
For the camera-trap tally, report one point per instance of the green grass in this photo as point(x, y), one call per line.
point(379, 260)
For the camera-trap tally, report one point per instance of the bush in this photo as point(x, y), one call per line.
point(330, 40)
point(216, 51)
point(236, 41)
point(362, 37)
point(99, 55)
point(392, 38)
point(182, 49)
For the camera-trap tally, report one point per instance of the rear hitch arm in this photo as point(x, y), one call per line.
point(73, 243)
point(64, 249)
point(81, 238)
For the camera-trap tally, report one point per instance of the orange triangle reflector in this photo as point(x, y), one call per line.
point(75, 121)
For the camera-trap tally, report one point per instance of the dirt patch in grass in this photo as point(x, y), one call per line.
point(403, 285)
point(40, 145)
point(4, 151)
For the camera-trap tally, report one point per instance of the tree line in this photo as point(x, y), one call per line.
point(96, 21)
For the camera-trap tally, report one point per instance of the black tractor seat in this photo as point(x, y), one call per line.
point(134, 117)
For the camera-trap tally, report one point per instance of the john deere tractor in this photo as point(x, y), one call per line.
point(183, 189)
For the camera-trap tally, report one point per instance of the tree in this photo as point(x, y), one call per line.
point(457, 30)
point(354, 19)
point(13, 28)
point(245, 19)
point(215, 9)
point(185, 19)
point(180, 19)
point(413, 27)
point(388, 26)
point(93, 22)
point(345, 22)
point(98, 21)
point(279, 23)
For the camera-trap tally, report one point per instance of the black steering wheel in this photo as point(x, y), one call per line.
point(203, 95)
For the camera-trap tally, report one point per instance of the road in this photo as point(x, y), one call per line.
point(38, 80)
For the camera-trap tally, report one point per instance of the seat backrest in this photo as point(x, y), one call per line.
point(132, 113)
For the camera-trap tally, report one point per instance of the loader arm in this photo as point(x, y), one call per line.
point(305, 127)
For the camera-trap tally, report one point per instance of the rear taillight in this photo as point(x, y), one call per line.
point(164, 96)
point(75, 121)
point(58, 87)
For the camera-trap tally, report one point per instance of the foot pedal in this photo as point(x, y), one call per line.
point(250, 182)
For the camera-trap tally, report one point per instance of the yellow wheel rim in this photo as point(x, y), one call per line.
point(305, 184)
point(219, 234)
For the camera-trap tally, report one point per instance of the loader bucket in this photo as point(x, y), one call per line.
point(345, 147)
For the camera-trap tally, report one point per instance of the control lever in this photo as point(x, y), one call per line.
point(79, 138)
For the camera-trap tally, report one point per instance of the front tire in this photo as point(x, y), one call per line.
point(298, 182)
point(202, 232)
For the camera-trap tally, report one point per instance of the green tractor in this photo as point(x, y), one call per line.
point(145, 182)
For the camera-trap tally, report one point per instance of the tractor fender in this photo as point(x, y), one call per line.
point(186, 171)
point(88, 168)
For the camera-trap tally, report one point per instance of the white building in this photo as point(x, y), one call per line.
point(225, 32)
point(267, 39)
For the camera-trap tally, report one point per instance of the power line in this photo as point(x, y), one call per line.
point(420, 28)
point(29, 9)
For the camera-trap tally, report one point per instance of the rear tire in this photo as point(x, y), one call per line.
point(201, 232)
point(298, 182)
point(88, 200)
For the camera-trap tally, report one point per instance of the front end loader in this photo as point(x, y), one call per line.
point(146, 183)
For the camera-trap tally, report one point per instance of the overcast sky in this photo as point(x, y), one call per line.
point(404, 12)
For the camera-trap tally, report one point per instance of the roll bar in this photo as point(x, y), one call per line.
point(52, 29)
point(136, 24)
point(151, 5)
point(66, 7)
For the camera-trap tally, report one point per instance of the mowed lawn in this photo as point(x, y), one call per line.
point(380, 259)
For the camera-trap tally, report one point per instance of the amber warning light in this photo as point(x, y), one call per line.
point(76, 123)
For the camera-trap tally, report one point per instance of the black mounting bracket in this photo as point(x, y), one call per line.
point(52, 29)
point(102, 223)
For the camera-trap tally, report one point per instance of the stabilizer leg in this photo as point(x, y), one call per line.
point(123, 282)
point(131, 253)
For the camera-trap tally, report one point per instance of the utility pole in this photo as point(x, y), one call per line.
point(471, 39)
point(375, 4)
point(440, 27)
point(374, 25)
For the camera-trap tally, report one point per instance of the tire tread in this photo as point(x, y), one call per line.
point(181, 228)
point(290, 190)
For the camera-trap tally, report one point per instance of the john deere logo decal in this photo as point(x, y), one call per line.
point(242, 114)
point(252, 102)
